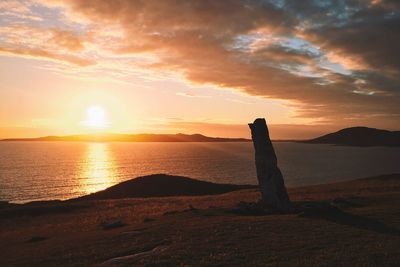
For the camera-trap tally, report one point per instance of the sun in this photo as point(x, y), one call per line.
point(96, 117)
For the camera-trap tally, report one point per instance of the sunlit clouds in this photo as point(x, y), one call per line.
point(226, 62)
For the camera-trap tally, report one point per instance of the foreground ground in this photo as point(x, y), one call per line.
point(198, 231)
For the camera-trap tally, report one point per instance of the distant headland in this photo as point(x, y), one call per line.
point(353, 136)
point(111, 137)
point(359, 136)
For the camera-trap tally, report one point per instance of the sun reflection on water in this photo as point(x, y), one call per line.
point(98, 170)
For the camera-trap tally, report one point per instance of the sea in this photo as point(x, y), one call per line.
point(33, 171)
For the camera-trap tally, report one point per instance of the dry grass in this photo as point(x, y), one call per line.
point(364, 233)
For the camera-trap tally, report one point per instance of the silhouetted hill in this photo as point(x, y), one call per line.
point(360, 136)
point(162, 185)
point(133, 138)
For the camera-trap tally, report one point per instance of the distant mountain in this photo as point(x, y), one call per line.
point(162, 185)
point(359, 136)
point(133, 138)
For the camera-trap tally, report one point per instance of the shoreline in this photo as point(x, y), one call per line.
point(230, 188)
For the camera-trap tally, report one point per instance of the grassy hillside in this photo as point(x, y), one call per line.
point(362, 230)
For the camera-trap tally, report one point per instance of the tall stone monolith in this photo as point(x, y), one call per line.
point(270, 179)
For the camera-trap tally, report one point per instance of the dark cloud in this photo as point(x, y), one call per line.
point(375, 40)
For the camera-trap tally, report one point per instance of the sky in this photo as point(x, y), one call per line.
point(186, 66)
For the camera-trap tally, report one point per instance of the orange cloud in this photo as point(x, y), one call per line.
point(37, 53)
point(67, 40)
point(44, 43)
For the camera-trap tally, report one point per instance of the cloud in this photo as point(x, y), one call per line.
point(333, 60)
point(44, 43)
point(192, 95)
point(66, 39)
point(370, 43)
point(38, 53)
point(18, 9)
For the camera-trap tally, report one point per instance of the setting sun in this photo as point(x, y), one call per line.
point(95, 117)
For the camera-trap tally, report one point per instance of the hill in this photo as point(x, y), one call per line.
point(162, 185)
point(359, 136)
point(106, 137)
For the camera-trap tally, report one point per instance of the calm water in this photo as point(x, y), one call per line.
point(60, 170)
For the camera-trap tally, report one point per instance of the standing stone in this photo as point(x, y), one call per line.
point(270, 179)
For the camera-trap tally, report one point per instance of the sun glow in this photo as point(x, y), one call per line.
point(96, 118)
